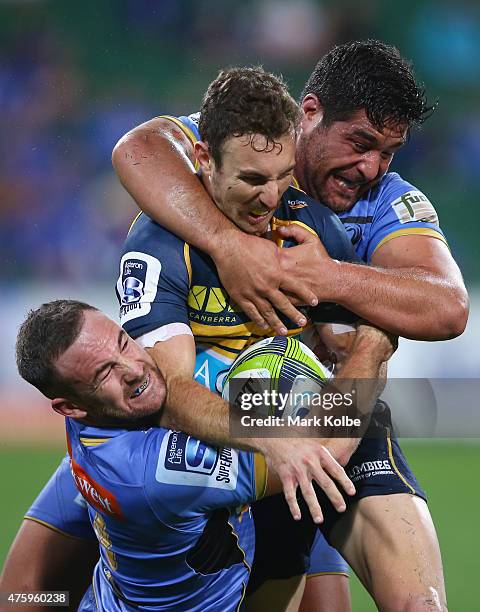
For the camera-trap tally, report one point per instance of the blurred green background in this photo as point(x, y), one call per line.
point(75, 76)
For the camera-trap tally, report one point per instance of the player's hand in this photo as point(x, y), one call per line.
point(342, 449)
point(297, 463)
point(249, 268)
point(308, 263)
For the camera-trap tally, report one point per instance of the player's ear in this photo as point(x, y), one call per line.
point(67, 409)
point(202, 154)
point(312, 109)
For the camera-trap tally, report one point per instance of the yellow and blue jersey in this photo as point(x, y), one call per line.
point(166, 287)
point(170, 516)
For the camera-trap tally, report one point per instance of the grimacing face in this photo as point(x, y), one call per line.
point(110, 374)
point(338, 164)
point(251, 180)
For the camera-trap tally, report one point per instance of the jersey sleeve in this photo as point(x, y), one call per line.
point(153, 283)
point(60, 506)
point(401, 210)
point(188, 477)
point(188, 124)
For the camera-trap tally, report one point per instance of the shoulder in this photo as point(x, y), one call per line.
point(297, 206)
point(146, 233)
point(403, 199)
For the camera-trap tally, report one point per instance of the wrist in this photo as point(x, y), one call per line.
point(225, 239)
point(330, 285)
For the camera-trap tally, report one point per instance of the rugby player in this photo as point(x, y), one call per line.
point(359, 105)
point(166, 289)
point(173, 533)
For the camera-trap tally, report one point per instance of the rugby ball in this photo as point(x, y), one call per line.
point(280, 365)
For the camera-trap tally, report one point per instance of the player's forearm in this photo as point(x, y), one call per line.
point(155, 169)
point(413, 303)
point(194, 409)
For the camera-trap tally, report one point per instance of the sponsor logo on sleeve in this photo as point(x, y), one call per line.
point(414, 206)
point(184, 460)
point(137, 284)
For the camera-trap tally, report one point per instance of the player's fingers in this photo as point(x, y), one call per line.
point(330, 489)
point(252, 313)
point(299, 294)
point(297, 233)
point(290, 492)
point(335, 470)
point(281, 303)
point(311, 500)
point(270, 316)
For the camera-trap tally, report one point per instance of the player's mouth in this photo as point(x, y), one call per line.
point(346, 185)
point(139, 390)
point(258, 215)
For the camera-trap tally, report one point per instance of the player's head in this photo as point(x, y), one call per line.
point(359, 105)
point(87, 365)
point(249, 124)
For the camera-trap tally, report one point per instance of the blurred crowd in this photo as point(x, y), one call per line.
point(74, 77)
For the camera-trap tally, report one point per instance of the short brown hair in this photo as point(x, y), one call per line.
point(47, 333)
point(243, 101)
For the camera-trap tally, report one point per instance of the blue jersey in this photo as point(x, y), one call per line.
point(394, 207)
point(60, 506)
point(171, 515)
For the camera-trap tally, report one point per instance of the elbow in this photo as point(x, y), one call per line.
point(454, 320)
point(126, 152)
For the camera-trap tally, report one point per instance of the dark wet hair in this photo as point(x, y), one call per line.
point(368, 75)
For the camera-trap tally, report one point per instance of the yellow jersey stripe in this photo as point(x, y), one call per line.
point(188, 263)
point(409, 231)
point(394, 465)
point(187, 131)
point(53, 528)
point(261, 474)
point(133, 222)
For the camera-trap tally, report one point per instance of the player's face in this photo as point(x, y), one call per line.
point(251, 180)
point(338, 164)
point(110, 374)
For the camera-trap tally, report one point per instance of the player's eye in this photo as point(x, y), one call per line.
point(105, 375)
point(359, 147)
point(254, 181)
point(387, 155)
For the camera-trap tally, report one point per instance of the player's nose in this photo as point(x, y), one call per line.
point(270, 195)
point(370, 165)
point(133, 371)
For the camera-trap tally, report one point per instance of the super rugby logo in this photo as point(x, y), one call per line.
point(189, 462)
point(137, 284)
point(188, 454)
point(132, 290)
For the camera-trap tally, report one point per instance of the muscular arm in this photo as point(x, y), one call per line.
point(413, 289)
point(154, 164)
